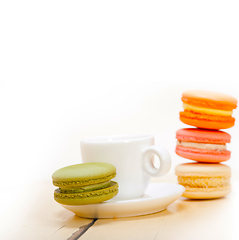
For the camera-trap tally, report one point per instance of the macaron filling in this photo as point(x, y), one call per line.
point(204, 182)
point(70, 184)
point(206, 146)
point(91, 197)
point(203, 110)
point(112, 188)
point(205, 117)
point(86, 188)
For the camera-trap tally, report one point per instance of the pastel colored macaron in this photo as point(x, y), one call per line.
point(85, 183)
point(203, 145)
point(204, 181)
point(207, 109)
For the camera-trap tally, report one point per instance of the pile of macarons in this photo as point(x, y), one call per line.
point(205, 143)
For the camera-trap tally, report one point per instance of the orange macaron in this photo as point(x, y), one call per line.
point(207, 109)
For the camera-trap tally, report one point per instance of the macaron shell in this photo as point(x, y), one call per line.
point(206, 193)
point(84, 198)
point(83, 174)
point(209, 99)
point(202, 170)
point(206, 121)
point(202, 155)
point(203, 136)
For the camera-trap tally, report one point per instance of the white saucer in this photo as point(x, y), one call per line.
point(157, 198)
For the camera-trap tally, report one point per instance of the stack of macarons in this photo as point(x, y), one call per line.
point(208, 112)
point(85, 183)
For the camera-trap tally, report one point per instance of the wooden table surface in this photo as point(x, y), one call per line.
point(30, 212)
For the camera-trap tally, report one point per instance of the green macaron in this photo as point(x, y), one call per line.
point(85, 183)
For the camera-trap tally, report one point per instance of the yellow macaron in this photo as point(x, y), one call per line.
point(204, 181)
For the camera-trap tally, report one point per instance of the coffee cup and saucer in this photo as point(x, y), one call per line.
point(133, 157)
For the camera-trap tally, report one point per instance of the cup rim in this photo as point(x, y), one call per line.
point(120, 138)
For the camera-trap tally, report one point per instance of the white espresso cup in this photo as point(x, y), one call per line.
point(132, 155)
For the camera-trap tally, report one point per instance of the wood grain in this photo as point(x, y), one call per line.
point(31, 213)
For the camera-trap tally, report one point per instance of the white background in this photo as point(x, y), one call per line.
point(70, 70)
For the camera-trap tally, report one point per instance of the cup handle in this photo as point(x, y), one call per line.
point(164, 158)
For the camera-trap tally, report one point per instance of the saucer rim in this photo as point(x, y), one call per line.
point(139, 205)
point(146, 196)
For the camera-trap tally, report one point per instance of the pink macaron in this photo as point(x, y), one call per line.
point(203, 145)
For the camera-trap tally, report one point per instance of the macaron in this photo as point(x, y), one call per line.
point(204, 181)
point(203, 145)
point(85, 183)
point(207, 109)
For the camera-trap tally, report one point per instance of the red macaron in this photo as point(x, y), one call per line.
point(203, 145)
